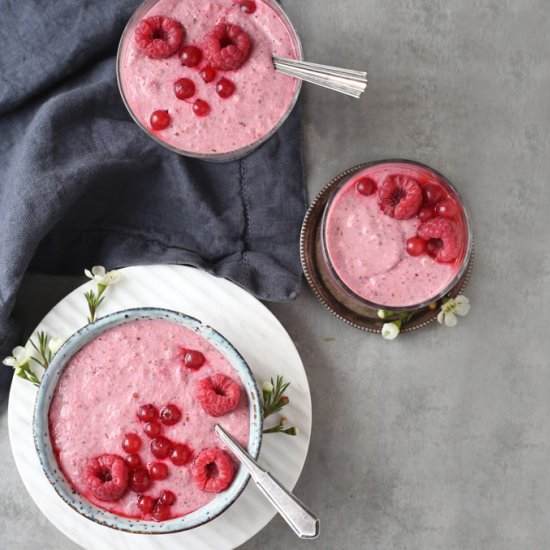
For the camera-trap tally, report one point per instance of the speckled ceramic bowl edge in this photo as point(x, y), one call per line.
point(44, 448)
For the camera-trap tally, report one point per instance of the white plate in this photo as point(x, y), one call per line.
point(264, 344)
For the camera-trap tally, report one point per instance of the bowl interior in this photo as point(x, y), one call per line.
point(42, 432)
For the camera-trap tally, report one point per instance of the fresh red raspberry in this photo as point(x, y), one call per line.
point(399, 197)
point(181, 454)
point(213, 470)
point(147, 413)
point(158, 470)
point(139, 480)
point(106, 476)
point(146, 503)
point(449, 235)
point(159, 36)
point(218, 394)
point(226, 47)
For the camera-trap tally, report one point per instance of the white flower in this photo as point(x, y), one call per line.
point(20, 356)
point(453, 307)
point(54, 344)
point(267, 387)
point(390, 331)
point(101, 277)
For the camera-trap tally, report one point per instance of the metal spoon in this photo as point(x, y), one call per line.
point(300, 519)
point(345, 81)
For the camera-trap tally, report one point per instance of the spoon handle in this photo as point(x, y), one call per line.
point(298, 517)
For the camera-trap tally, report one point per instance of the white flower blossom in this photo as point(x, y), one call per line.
point(101, 277)
point(20, 356)
point(267, 387)
point(390, 331)
point(54, 344)
point(451, 308)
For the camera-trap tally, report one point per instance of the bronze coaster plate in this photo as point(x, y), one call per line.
point(320, 280)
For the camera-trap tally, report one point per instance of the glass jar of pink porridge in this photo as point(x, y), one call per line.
point(395, 236)
point(197, 75)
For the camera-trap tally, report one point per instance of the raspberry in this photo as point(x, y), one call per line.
point(139, 480)
point(181, 454)
point(106, 476)
point(146, 503)
point(147, 413)
point(192, 358)
point(226, 47)
point(218, 394)
point(160, 37)
point(158, 470)
point(170, 414)
point(399, 197)
point(225, 88)
point(365, 186)
point(213, 470)
point(449, 235)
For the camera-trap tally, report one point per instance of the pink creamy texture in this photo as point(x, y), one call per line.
point(367, 247)
point(103, 385)
point(261, 98)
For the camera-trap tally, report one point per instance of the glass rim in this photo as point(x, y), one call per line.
point(436, 297)
point(228, 155)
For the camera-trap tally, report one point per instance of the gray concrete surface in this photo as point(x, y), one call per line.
point(440, 440)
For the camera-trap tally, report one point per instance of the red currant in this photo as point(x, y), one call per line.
point(425, 213)
point(248, 6)
point(365, 186)
point(160, 120)
point(152, 429)
point(158, 470)
point(146, 503)
point(131, 443)
point(181, 454)
point(208, 73)
point(447, 209)
point(147, 413)
point(415, 246)
point(190, 56)
point(193, 359)
point(433, 193)
point(161, 447)
point(161, 511)
point(201, 108)
point(167, 497)
point(225, 88)
point(132, 460)
point(184, 88)
point(170, 415)
point(139, 480)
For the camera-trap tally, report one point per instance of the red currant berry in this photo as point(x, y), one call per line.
point(160, 447)
point(133, 461)
point(425, 213)
point(139, 480)
point(170, 415)
point(147, 413)
point(433, 246)
point(415, 246)
point(160, 120)
point(208, 73)
point(181, 454)
point(146, 503)
point(248, 6)
point(167, 497)
point(158, 470)
point(184, 88)
point(447, 209)
point(131, 443)
point(433, 193)
point(225, 88)
point(161, 511)
point(201, 108)
point(190, 56)
point(152, 429)
point(193, 359)
point(365, 186)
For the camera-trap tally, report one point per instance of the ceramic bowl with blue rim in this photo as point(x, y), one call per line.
point(46, 453)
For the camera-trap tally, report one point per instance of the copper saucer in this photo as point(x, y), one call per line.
point(320, 281)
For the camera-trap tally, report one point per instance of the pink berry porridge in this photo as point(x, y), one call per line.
point(395, 234)
point(132, 420)
point(199, 74)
